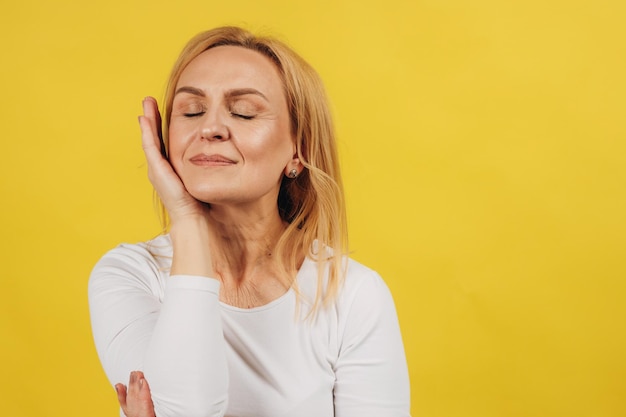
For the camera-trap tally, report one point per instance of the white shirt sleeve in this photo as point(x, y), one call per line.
point(170, 330)
point(371, 371)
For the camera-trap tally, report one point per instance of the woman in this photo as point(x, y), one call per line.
point(249, 305)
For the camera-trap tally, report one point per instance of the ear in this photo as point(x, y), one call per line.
point(293, 168)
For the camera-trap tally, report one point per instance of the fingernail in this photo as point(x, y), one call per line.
point(141, 383)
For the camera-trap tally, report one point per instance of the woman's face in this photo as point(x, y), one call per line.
point(229, 132)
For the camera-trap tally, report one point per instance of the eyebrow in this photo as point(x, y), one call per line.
point(244, 91)
point(190, 90)
point(229, 94)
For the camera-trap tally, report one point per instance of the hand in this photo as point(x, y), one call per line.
point(175, 197)
point(136, 401)
point(190, 223)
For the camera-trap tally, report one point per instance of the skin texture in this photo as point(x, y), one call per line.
point(230, 145)
point(135, 400)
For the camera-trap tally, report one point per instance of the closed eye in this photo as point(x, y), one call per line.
point(242, 116)
point(193, 114)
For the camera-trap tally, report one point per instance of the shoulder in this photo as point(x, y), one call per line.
point(140, 265)
point(358, 281)
point(361, 282)
point(365, 308)
point(364, 297)
point(155, 251)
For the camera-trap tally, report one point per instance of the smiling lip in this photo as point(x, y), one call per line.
point(211, 160)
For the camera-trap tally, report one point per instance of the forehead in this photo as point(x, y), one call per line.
point(232, 67)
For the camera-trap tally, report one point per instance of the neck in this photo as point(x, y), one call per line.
point(244, 243)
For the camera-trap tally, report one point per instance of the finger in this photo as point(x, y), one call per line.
point(139, 399)
point(139, 375)
point(120, 389)
point(139, 385)
point(133, 383)
point(158, 123)
point(150, 143)
point(144, 388)
point(151, 110)
point(145, 399)
point(150, 124)
point(160, 172)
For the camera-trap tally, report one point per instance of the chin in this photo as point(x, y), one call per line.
point(214, 195)
point(209, 197)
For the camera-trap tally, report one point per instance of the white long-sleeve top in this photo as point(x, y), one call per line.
point(206, 358)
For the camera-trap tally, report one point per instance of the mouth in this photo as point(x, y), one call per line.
point(211, 160)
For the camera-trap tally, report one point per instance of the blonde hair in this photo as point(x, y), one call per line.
point(313, 203)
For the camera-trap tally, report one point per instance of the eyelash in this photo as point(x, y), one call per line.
point(241, 116)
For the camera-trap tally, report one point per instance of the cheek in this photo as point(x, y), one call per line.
point(269, 142)
point(272, 156)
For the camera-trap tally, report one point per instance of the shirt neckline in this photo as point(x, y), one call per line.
point(275, 302)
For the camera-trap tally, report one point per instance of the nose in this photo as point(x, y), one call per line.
point(213, 127)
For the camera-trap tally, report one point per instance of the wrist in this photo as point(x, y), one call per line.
point(190, 238)
point(190, 225)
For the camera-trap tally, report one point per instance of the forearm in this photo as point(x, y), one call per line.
point(185, 362)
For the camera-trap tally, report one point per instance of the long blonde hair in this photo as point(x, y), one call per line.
point(313, 203)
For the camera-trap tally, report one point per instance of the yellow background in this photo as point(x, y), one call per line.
point(483, 147)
